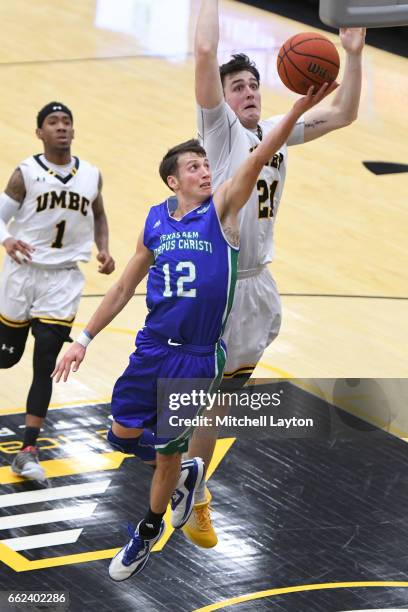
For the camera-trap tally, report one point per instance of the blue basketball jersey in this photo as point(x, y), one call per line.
point(191, 284)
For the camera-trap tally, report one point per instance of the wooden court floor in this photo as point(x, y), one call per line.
point(126, 70)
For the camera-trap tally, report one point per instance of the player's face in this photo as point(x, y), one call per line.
point(194, 176)
point(57, 131)
point(241, 91)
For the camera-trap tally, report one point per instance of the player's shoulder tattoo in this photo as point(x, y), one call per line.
point(16, 187)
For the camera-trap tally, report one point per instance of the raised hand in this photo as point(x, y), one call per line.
point(353, 39)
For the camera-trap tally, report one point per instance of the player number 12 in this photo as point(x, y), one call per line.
point(186, 278)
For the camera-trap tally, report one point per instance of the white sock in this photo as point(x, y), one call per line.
point(199, 495)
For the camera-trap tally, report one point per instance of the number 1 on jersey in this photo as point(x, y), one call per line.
point(187, 278)
point(57, 244)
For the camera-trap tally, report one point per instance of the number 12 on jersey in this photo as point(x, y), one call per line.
point(181, 281)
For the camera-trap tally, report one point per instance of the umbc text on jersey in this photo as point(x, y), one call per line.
point(63, 199)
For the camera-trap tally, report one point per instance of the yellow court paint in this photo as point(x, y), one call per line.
point(298, 589)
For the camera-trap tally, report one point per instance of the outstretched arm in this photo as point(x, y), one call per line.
point(343, 109)
point(208, 86)
point(114, 301)
point(234, 193)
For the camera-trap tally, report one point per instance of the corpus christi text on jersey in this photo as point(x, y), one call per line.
point(182, 240)
point(234, 421)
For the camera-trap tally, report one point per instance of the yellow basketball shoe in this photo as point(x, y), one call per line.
point(199, 528)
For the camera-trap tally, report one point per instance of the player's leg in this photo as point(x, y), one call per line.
point(54, 299)
point(209, 368)
point(253, 324)
point(48, 341)
point(132, 558)
point(138, 387)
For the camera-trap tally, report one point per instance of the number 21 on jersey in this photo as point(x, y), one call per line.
point(266, 195)
point(190, 277)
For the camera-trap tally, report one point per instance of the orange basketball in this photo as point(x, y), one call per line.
point(308, 59)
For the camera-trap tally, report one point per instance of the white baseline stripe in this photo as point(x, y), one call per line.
point(66, 492)
point(43, 539)
point(47, 516)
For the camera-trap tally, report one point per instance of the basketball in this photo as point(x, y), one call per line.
point(308, 59)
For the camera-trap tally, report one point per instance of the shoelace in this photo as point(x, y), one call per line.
point(203, 517)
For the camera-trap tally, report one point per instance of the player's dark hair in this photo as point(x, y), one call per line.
point(237, 63)
point(168, 165)
point(53, 107)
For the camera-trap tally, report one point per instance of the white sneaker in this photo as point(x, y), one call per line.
point(26, 464)
point(182, 500)
point(132, 558)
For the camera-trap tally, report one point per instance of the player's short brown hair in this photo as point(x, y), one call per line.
point(237, 63)
point(168, 165)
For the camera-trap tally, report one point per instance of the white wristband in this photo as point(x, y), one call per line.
point(84, 338)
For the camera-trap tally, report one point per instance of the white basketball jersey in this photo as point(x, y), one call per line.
point(56, 216)
point(228, 143)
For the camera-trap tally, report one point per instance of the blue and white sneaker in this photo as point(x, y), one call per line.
point(132, 558)
point(182, 500)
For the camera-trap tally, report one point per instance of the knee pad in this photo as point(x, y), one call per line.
point(12, 344)
point(142, 447)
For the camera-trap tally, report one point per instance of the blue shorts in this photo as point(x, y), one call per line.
point(134, 398)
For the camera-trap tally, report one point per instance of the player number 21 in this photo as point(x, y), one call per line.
point(186, 278)
point(266, 195)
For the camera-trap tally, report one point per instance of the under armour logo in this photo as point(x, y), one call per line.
point(55, 107)
point(10, 349)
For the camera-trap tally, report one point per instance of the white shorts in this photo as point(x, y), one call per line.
point(254, 321)
point(28, 291)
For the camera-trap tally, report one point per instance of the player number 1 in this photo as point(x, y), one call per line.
point(186, 278)
point(57, 244)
